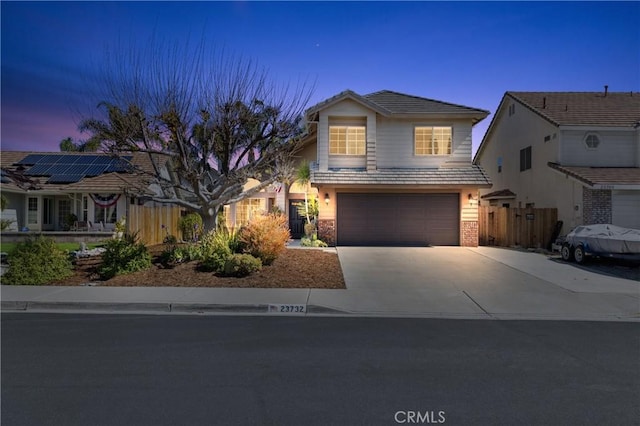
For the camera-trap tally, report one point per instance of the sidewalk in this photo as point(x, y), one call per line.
point(447, 282)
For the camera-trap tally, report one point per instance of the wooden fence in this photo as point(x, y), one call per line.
point(506, 227)
point(148, 221)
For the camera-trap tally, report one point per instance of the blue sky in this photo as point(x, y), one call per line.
point(462, 52)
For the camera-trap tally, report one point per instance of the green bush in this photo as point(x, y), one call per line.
point(312, 242)
point(173, 255)
point(241, 265)
point(169, 239)
point(265, 237)
point(191, 227)
point(214, 251)
point(37, 261)
point(123, 256)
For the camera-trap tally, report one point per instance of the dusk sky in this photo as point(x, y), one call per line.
point(468, 53)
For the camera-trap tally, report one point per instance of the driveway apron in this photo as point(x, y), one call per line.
point(457, 281)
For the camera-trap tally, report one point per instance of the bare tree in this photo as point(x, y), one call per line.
point(208, 123)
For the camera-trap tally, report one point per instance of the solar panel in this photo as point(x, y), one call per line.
point(96, 170)
point(120, 165)
point(30, 159)
point(65, 178)
point(67, 159)
point(38, 170)
point(103, 160)
point(58, 169)
point(76, 169)
point(50, 159)
point(66, 168)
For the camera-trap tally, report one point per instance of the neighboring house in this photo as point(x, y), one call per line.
point(394, 169)
point(578, 152)
point(45, 188)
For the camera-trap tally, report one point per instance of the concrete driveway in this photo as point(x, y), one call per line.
point(483, 282)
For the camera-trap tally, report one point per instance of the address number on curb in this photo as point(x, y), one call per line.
point(287, 309)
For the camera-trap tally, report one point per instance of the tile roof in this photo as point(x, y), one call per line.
point(471, 175)
point(107, 182)
point(601, 175)
point(389, 103)
point(616, 109)
point(400, 103)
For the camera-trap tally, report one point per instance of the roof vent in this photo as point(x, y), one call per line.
point(606, 90)
point(544, 102)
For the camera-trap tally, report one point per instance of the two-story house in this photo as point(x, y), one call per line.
point(395, 169)
point(578, 152)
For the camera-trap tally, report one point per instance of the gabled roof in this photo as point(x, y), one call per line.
point(594, 176)
point(616, 109)
point(346, 94)
point(400, 103)
point(613, 109)
point(389, 103)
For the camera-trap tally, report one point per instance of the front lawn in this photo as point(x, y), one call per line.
point(8, 248)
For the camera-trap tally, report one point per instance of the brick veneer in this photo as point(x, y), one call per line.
point(327, 231)
point(469, 232)
point(596, 206)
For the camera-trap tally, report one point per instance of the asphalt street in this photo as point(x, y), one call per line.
point(76, 369)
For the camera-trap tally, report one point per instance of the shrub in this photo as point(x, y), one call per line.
point(171, 256)
point(191, 226)
point(214, 248)
point(123, 256)
point(37, 261)
point(169, 239)
point(265, 237)
point(312, 242)
point(241, 265)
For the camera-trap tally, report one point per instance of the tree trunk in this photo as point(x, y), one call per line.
point(210, 222)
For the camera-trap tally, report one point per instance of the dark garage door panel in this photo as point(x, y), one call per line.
point(398, 219)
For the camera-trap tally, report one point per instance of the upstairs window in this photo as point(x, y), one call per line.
point(347, 140)
point(592, 141)
point(525, 159)
point(432, 140)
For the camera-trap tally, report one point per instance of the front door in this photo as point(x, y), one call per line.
point(296, 222)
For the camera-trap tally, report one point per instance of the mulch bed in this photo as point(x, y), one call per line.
point(295, 268)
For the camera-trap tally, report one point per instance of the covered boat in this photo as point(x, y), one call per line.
point(605, 239)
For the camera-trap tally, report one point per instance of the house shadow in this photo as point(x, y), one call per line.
point(618, 268)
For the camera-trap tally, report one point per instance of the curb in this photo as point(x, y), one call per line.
point(177, 308)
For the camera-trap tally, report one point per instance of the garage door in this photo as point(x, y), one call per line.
point(625, 206)
point(398, 219)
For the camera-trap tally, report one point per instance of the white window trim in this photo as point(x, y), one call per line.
point(432, 126)
point(347, 126)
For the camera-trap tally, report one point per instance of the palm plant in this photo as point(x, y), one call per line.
point(303, 177)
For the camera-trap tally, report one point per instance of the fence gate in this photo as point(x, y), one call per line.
point(153, 223)
point(511, 226)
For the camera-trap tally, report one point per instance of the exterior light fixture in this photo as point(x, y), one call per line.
point(326, 198)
